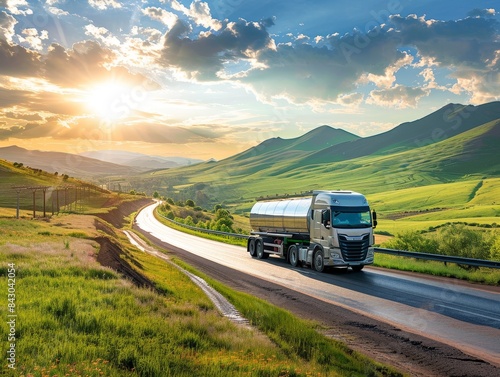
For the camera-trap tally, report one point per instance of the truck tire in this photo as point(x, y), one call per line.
point(259, 246)
point(251, 247)
point(293, 255)
point(318, 260)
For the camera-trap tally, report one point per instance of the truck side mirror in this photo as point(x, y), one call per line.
point(325, 218)
point(374, 216)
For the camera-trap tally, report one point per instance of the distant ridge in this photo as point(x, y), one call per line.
point(442, 124)
point(318, 138)
point(63, 163)
point(140, 160)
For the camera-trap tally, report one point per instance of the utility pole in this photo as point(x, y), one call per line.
point(18, 191)
point(34, 189)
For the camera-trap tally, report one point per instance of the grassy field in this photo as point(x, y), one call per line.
point(85, 319)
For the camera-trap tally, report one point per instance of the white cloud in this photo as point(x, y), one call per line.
point(33, 38)
point(352, 99)
point(167, 18)
point(199, 12)
point(102, 34)
point(388, 79)
point(57, 12)
point(480, 85)
point(7, 24)
point(399, 96)
point(104, 4)
point(13, 6)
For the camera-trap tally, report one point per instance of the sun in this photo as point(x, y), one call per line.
point(108, 100)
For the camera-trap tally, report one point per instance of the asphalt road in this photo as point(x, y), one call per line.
point(460, 315)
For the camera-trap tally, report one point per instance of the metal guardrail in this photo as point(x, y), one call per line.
point(441, 258)
point(402, 253)
point(236, 235)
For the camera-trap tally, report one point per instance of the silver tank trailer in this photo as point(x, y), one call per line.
point(281, 216)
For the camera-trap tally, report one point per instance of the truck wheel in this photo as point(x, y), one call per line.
point(293, 255)
point(318, 261)
point(357, 268)
point(259, 245)
point(251, 247)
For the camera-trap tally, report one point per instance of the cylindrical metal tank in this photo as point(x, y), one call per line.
point(281, 216)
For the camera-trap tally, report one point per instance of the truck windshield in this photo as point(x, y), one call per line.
point(351, 219)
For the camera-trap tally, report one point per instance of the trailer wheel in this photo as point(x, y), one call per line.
point(318, 261)
point(293, 255)
point(259, 245)
point(251, 247)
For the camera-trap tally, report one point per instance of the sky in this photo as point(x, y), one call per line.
point(209, 79)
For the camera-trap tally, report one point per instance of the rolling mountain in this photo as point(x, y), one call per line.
point(274, 150)
point(63, 163)
point(444, 123)
point(319, 138)
point(453, 143)
point(139, 160)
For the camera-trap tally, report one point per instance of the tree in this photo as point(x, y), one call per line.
point(156, 195)
point(495, 249)
point(190, 203)
point(458, 240)
point(412, 241)
point(223, 220)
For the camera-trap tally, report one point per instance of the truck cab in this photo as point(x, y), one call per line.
point(341, 226)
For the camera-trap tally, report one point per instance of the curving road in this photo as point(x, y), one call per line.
point(460, 315)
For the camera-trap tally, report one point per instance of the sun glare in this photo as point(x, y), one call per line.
point(108, 100)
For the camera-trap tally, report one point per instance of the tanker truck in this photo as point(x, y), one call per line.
point(329, 229)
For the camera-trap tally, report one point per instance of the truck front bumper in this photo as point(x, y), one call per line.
point(337, 260)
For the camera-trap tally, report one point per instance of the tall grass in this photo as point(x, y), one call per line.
point(78, 318)
point(481, 275)
point(297, 338)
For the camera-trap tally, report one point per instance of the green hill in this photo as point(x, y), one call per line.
point(447, 122)
point(461, 144)
point(67, 163)
point(26, 183)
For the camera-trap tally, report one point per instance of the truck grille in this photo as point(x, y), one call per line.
point(354, 249)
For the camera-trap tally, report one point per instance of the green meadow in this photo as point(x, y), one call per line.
point(420, 208)
point(75, 317)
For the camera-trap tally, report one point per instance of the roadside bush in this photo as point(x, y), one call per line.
point(495, 248)
point(189, 221)
point(412, 241)
point(458, 240)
